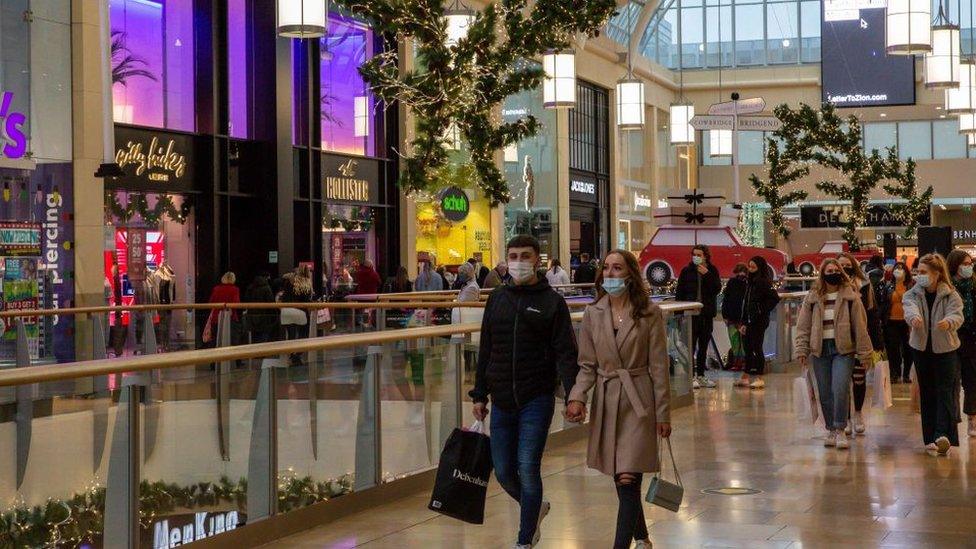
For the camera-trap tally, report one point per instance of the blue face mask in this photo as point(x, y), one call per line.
point(697, 259)
point(922, 280)
point(966, 271)
point(614, 286)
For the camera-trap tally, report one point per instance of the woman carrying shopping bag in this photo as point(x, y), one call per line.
point(865, 288)
point(934, 312)
point(830, 331)
point(961, 270)
point(623, 355)
point(733, 309)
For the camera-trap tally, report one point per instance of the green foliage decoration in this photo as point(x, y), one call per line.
point(466, 83)
point(139, 204)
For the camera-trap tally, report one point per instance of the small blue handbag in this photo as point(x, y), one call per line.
point(663, 493)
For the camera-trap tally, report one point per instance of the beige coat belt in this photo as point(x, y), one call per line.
point(627, 380)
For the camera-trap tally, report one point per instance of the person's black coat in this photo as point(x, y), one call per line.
point(527, 342)
point(733, 300)
point(868, 299)
point(585, 274)
point(759, 302)
point(482, 275)
point(260, 320)
point(694, 286)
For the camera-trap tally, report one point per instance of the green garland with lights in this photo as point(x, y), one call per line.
point(80, 519)
point(826, 139)
point(139, 204)
point(464, 84)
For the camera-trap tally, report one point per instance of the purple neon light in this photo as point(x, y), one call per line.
point(237, 77)
point(348, 44)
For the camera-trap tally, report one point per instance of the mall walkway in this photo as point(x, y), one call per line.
point(884, 492)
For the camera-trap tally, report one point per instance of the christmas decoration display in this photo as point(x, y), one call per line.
point(825, 139)
point(464, 82)
point(139, 204)
point(80, 519)
point(752, 224)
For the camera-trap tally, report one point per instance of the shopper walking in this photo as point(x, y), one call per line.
point(260, 324)
point(699, 281)
point(623, 353)
point(398, 284)
point(733, 297)
point(498, 276)
point(586, 272)
point(225, 292)
point(960, 266)
point(934, 311)
point(758, 305)
point(556, 275)
point(428, 280)
point(900, 355)
point(862, 284)
point(527, 342)
point(831, 329)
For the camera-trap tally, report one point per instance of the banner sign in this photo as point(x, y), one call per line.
point(55, 211)
point(834, 217)
point(153, 160)
point(20, 239)
point(20, 291)
point(136, 255)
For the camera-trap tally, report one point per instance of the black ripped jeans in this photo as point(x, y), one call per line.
point(631, 524)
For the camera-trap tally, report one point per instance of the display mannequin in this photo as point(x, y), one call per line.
point(160, 289)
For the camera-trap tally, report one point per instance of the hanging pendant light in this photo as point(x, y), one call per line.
point(971, 140)
point(360, 115)
point(301, 18)
point(942, 63)
point(559, 85)
point(967, 123)
point(962, 100)
point(907, 30)
point(680, 124)
point(458, 18)
point(719, 143)
point(630, 104)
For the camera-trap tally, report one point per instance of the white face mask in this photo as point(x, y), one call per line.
point(521, 271)
point(898, 273)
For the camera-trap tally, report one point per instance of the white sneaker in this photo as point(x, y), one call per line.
point(942, 445)
point(843, 442)
point(758, 384)
point(847, 430)
point(972, 426)
point(643, 544)
point(708, 383)
point(543, 511)
point(858, 421)
point(522, 546)
point(695, 384)
point(831, 439)
point(931, 447)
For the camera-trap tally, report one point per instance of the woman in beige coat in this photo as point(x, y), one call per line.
point(623, 353)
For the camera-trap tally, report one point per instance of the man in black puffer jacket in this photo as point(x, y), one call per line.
point(527, 343)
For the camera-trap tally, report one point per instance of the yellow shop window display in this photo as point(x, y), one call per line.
point(453, 225)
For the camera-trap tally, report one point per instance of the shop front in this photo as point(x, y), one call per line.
point(635, 225)
point(150, 245)
point(589, 173)
point(454, 225)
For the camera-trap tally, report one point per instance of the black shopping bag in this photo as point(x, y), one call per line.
point(462, 476)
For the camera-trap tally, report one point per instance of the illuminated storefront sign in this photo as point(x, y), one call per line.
point(454, 204)
point(13, 123)
point(346, 179)
point(154, 159)
point(184, 529)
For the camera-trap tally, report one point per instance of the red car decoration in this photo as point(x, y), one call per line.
point(808, 264)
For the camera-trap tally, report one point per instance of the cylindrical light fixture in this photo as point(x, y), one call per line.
point(942, 63)
point(680, 121)
point(459, 18)
point(559, 85)
point(962, 100)
point(301, 18)
point(971, 140)
point(907, 30)
point(967, 123)
point(360, 116)
point(719, 143)
point(630, 104)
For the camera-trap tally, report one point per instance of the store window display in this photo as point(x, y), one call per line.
point(149, 259)
point(449, 233)
point(530, 170)
point(153, 66)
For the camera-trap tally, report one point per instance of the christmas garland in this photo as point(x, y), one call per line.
point(80, 519)
point(139, 204)
point(464, 84)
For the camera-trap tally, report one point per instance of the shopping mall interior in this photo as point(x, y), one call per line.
point(487, 273)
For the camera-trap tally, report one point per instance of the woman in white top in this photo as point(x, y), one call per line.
point(470, 290)
point(830, 331)
point(556, 275)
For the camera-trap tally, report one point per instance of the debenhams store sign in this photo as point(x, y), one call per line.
point(355, 180)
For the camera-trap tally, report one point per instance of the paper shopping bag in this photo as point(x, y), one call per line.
point(462, 476)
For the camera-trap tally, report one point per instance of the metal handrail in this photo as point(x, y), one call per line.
point(162, 361)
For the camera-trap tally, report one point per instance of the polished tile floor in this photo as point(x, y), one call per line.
point(886, 491)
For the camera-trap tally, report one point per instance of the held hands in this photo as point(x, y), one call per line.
point(916, 322)
point(664, 430)
point(703, 269)
point(575, 412)
point(480, 411)
point(943, 325)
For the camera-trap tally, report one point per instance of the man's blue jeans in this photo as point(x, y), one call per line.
point(518, 439)
point(833, 372)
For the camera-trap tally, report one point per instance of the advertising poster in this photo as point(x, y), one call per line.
point(20, 239)
point(20, 292)
point(54, 209)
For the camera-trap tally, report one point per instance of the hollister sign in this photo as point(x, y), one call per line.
point(348, 179)
point(154, 160)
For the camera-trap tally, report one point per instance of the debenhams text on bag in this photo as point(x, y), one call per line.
point(468, 478)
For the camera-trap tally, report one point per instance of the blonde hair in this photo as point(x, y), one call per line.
point(820, 286)
point(228, 278)
point(858, 271)
point(938, 264)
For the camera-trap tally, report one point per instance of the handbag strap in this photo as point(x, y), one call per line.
point(674, 463)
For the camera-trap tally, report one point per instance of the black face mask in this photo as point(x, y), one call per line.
point(850, 271)
point(834, 279)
